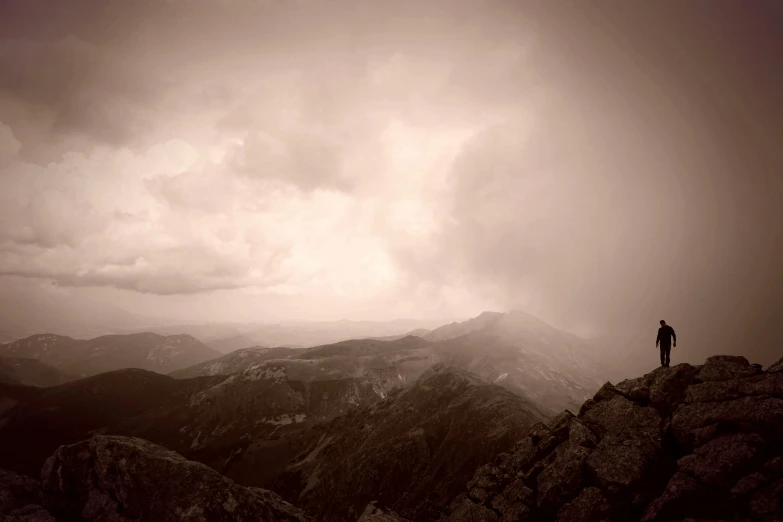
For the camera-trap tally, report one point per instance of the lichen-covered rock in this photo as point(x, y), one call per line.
point(720, 462)
point(767, 503)
point(28, 513)
point(622, 462)
point(463, 510)
point(620, 417)
point(21, 499)
point(669, 385)
point(513, 493)
point(713, 391)
point(605, 393)
point(771, 385)
point(561, 479)
point(17, 491)
point(108, 478)
point(747, 414)
point(682, 494)
point(581, 435)
point(727, 367)
point(374, 513)
point(589, 506)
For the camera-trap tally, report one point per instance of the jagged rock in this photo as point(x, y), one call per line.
point(769, 473)
point(726, 367)
point(771, 385)
point(538, 432)
point(373, 513)
point(619, 463)
point(620, 417)
point(640, 383)
point(561, 479)
point(17, 491)
point(586, 406)
point(28, 513)
point(513, 493)
point(518, 512)
point(606, 392)
point(580, 435)
point(721, 461)
point(761, 414)
point(122, 478)
point(682, 494)
point(589, 506)
point(531, 475)
point(464, 510)
point(776, 367)
point(713, 391)
point(767, 503)
point(669, 385)
point(669, 446)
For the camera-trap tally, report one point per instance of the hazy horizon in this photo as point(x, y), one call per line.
point(599, 166)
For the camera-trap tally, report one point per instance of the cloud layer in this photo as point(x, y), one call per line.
point(382, 159)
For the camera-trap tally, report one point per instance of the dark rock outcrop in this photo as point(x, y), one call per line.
point(21, 499)
point(680, 443)
point(121, 478)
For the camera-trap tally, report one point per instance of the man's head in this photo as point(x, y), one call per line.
point(663, 322)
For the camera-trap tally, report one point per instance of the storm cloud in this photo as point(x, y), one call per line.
point(602, 166)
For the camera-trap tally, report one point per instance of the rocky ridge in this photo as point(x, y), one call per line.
point(118, 479)
point(699, 443)
point(86, 357)
point(412, 451)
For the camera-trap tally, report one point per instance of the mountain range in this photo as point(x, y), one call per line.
point(84, 357)
point(699, 443)
point(31, 372)
point(501, 417)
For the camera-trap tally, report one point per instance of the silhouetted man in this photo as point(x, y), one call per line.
point(664, 339)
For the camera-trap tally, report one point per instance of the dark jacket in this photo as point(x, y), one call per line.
point(665, 336)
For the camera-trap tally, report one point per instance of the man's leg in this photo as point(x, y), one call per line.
point(663, 355)
point(668, 353)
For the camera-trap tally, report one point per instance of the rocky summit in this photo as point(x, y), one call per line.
point(697, 443)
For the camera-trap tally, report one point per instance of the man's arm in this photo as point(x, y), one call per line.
point(674, 337)
point(658, 339)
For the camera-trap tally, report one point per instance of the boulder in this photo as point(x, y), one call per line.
point(589, 506)
point(669, 385)
point(560, 481)
point(463, 510)
point(767, 503)
point(620, 463)
point(720, 462)
point(713, 391)
point(776, 367)
point(748, 414)
point(514, 493)
point(623, 418)
point(21, 499)
point(727, 367)
point(605, 393)
point(123, 478)
point(681, 495)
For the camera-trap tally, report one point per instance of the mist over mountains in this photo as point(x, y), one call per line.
point(402, 261)
point(407, 427)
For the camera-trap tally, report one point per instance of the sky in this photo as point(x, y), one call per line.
point(601, 165)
